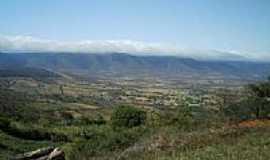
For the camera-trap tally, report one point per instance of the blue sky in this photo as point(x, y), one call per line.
point(227, 25)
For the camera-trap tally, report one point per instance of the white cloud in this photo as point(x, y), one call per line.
point(31, 44)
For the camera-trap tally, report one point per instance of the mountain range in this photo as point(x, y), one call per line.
point(124, 64)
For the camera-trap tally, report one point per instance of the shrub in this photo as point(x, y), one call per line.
point(182, 118)
point(4, 123)
point(126, 116)
point(95, 120)
point(29, 133)
point(154, 119)
point(103, 141)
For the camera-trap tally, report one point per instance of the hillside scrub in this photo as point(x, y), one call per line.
point(127, 116)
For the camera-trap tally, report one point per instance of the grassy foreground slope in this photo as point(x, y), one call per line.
point(235, 130)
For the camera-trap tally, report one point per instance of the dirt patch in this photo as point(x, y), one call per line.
point(83, 106)
point(254, 123)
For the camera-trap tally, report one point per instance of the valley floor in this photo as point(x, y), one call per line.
point(80, 119)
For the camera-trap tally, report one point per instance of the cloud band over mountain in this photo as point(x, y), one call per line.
point(30, 44)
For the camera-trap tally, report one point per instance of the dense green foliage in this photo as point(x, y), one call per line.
point(29, 133)
point(126, 116)
point(256, 104)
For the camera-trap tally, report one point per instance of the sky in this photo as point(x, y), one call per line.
point(241, 27)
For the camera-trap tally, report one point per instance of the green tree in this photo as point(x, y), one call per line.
point(261, 94)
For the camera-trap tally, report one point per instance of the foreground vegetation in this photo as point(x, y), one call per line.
point(235, 127)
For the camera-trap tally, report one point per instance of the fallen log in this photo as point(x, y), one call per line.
point(48, 153)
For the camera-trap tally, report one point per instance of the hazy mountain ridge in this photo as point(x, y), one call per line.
point(120, 63)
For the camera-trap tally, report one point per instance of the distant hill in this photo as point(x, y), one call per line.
point(121, 64)
point(35, 73)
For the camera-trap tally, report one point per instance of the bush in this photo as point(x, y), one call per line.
point(4, 123)
point(126, 116)
point(182, 117)
point(95, 120)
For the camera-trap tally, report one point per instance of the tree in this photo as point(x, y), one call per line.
point(254, 104)
point(261, 93)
